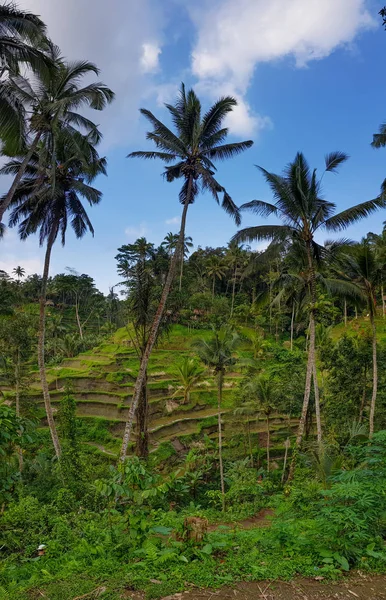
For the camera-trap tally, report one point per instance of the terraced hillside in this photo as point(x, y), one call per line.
point(102, 382)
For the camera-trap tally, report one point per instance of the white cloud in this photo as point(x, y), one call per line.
point(173, 221)
point(115, 40)
point(234, 37)
point(135, 232)
point(150, 57)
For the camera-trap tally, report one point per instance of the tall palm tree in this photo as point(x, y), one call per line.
point(361, 268)
point(198, 142)
point(52, 101)
point(19, 272)
point(378, 243)
point(22, 40)
point(189, 374)
point(22, 35)
point(218, 354)
point(303, 211)
point(48, 197)
point(215, 268)
point(170, 244)
point(260, 389)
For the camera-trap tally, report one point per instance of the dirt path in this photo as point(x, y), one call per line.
point(360, 587)
point(262, 519)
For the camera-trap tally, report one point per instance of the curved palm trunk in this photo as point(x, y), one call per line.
point(233, 293)
point(155, 327)
point(292, 325)
point(268, 441)
point(17, 405)
point(220, 379)
point(41, 340)
point(142, 423)
point(317, 406)
point(310, 365)
point(9, 197)
point(363, 400)
point(78, 318)
point(286, 446)
point(375, 377)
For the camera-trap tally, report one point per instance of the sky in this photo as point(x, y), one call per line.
point(306, 75)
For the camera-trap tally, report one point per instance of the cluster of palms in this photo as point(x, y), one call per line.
point(54, 162)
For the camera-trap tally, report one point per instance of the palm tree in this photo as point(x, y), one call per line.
point(303, 212)
point(19, 272)
point(215, 268)
point(170, 244)
point(198, 141)
point(46, 200)
point(236, 260)
point(22, 40)
point(260, 390)
point(189, 374)
point(52, 100)
point(378, 243)
point(218, 353)
point(361, 268)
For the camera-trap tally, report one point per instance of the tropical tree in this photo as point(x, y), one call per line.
point(260, 390)
point(189, 374)
point(170, 244)
point(19, 272)
point(362, 269)
point(49, 105)
point(129, 255)
point(22, 42)
point(197, 143)
point(218, 354)
point(303, 211)
point(236, 260)
point(48, 197)
point(215, 268)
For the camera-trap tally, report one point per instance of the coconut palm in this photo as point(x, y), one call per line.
point(170, 244)
point(218, 354)
point(215, 268)
point(19, 272)
point(361, 268)
point(52, 101)
point(22, 39)
point(46, 200)
point(237, 261)
point(197, 143)
point(303, 211)
point(22, 35)
point(189, 374)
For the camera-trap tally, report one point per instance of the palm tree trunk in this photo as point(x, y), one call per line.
point(41, 340)
point(214, 281)
point(9, 197)
point(220, 377)
point(292, 325)
point(77, 318)
point(345, 312)
point(142, 423)
point(181, 271)
point(17, 405)
point(383, 302)
point(155, 327)
point(363, 401)
point(286, 445)
point(268, 441)
point(375, 377)
point(310, 364)
point(233, 292)
point(250, 441)
point(317, 406)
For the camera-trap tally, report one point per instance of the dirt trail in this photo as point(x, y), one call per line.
point(360, 587)
point(262, 519)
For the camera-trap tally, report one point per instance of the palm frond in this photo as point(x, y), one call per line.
point(353, 214)
point(333, 160)
point(259, 207)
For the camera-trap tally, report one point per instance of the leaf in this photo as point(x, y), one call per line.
point(207, 549)
point(162, 530)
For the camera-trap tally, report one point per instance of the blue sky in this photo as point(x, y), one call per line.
point(307, 76)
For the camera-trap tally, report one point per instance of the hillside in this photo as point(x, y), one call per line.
point(102, 381)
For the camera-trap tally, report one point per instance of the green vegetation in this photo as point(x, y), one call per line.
point(226, 424)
